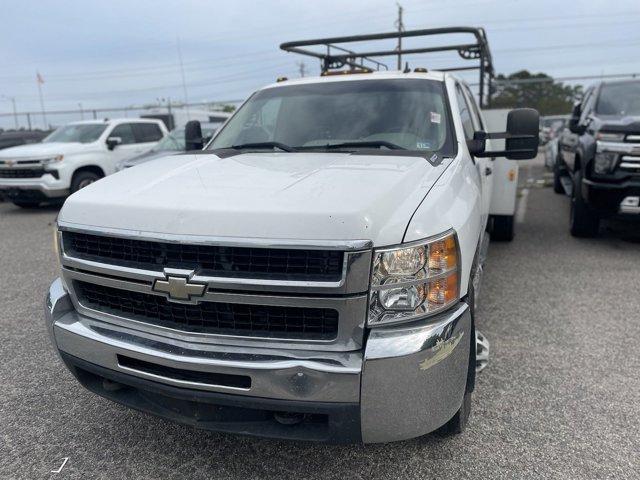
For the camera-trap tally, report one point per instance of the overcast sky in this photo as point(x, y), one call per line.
point(120, 53)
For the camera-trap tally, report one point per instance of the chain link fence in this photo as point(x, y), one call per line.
point(50, 119)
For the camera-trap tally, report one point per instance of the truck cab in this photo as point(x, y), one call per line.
point(72, 157)
point(598, 162)
point(312, 274)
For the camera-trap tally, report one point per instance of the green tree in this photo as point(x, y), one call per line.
point(539, 91)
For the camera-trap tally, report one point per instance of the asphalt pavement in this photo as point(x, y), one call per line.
point(559, 399)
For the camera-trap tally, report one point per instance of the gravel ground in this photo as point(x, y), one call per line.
point(560, 398)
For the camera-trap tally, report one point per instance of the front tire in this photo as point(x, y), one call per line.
point(458, 423)
point(583, 222)
point(460, 420)
point(557, 184)
point(503, 228)
point(82, 179)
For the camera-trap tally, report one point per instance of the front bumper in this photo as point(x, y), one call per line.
point(42, 188)
point(408, 381)
point(606, 198)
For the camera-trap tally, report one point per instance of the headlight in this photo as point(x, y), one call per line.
point(604, 162)
point(610, 137)
point(57, 158)
point(414, 281)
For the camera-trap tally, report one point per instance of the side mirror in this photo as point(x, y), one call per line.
point(574, 121)
point(113, 142)
point(193, 136)
point(522, 130)
point(521, 138)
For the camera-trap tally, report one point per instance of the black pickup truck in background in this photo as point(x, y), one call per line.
point(598, 162)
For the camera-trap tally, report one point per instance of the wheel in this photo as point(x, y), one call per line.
point(26, 203)
point(557, 184)
point(583, 222)
point(460, 420)
point(82, 179)
point(503, 228)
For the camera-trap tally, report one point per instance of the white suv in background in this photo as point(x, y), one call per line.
point(72, 157)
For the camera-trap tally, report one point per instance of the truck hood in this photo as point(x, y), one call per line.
point(293, 196)
point(45, 149)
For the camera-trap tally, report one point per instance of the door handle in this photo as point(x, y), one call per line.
point(488, 171)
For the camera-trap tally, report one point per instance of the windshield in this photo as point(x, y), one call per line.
point(174, 141)
point(619, 99)
point(83, 133)
point(392, 114)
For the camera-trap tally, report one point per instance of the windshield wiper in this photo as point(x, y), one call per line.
point(363, 144)
point(272, 145)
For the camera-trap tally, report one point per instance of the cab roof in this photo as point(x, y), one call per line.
point(346, 77)
point(113, 120)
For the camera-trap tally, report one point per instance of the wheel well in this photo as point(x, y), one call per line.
point(90, 168)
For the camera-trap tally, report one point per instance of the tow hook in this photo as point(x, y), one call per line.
point(482, 351)
point(288, 418)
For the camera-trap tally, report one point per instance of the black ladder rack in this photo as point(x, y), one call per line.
point(335, 57)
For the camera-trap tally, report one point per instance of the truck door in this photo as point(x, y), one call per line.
point(136, 138)
point(472, 122)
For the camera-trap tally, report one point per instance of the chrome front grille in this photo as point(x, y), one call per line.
point(296, 294)
point(631, 162)
point(21, 172)
point(216, 260)
point(212, 317)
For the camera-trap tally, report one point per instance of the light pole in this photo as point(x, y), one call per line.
point(15, 112)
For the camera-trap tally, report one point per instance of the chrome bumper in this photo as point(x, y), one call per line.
point(407, 381)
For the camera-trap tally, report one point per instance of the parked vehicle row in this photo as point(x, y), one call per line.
point(79, 153)
point(313, 273)
point(172, 144)
point(72, 157)
point(551, 128)
point(598, 161)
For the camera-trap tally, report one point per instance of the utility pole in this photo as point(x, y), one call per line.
point(302, 68)
point(184, 83)
point(40, 81)
point(398, 23)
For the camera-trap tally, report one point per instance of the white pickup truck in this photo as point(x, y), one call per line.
point(72, 157)
point(309, 275)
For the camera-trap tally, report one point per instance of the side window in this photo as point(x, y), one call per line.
point(146, 132)
point(475, 111)
point(125, 132)
point(465, 114)
point(587, 104)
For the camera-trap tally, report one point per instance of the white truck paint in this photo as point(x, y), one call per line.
point(407, 223)
point(31, 174)
point(505, 172)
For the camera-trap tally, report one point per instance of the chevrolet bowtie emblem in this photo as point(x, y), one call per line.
point(179, 287)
